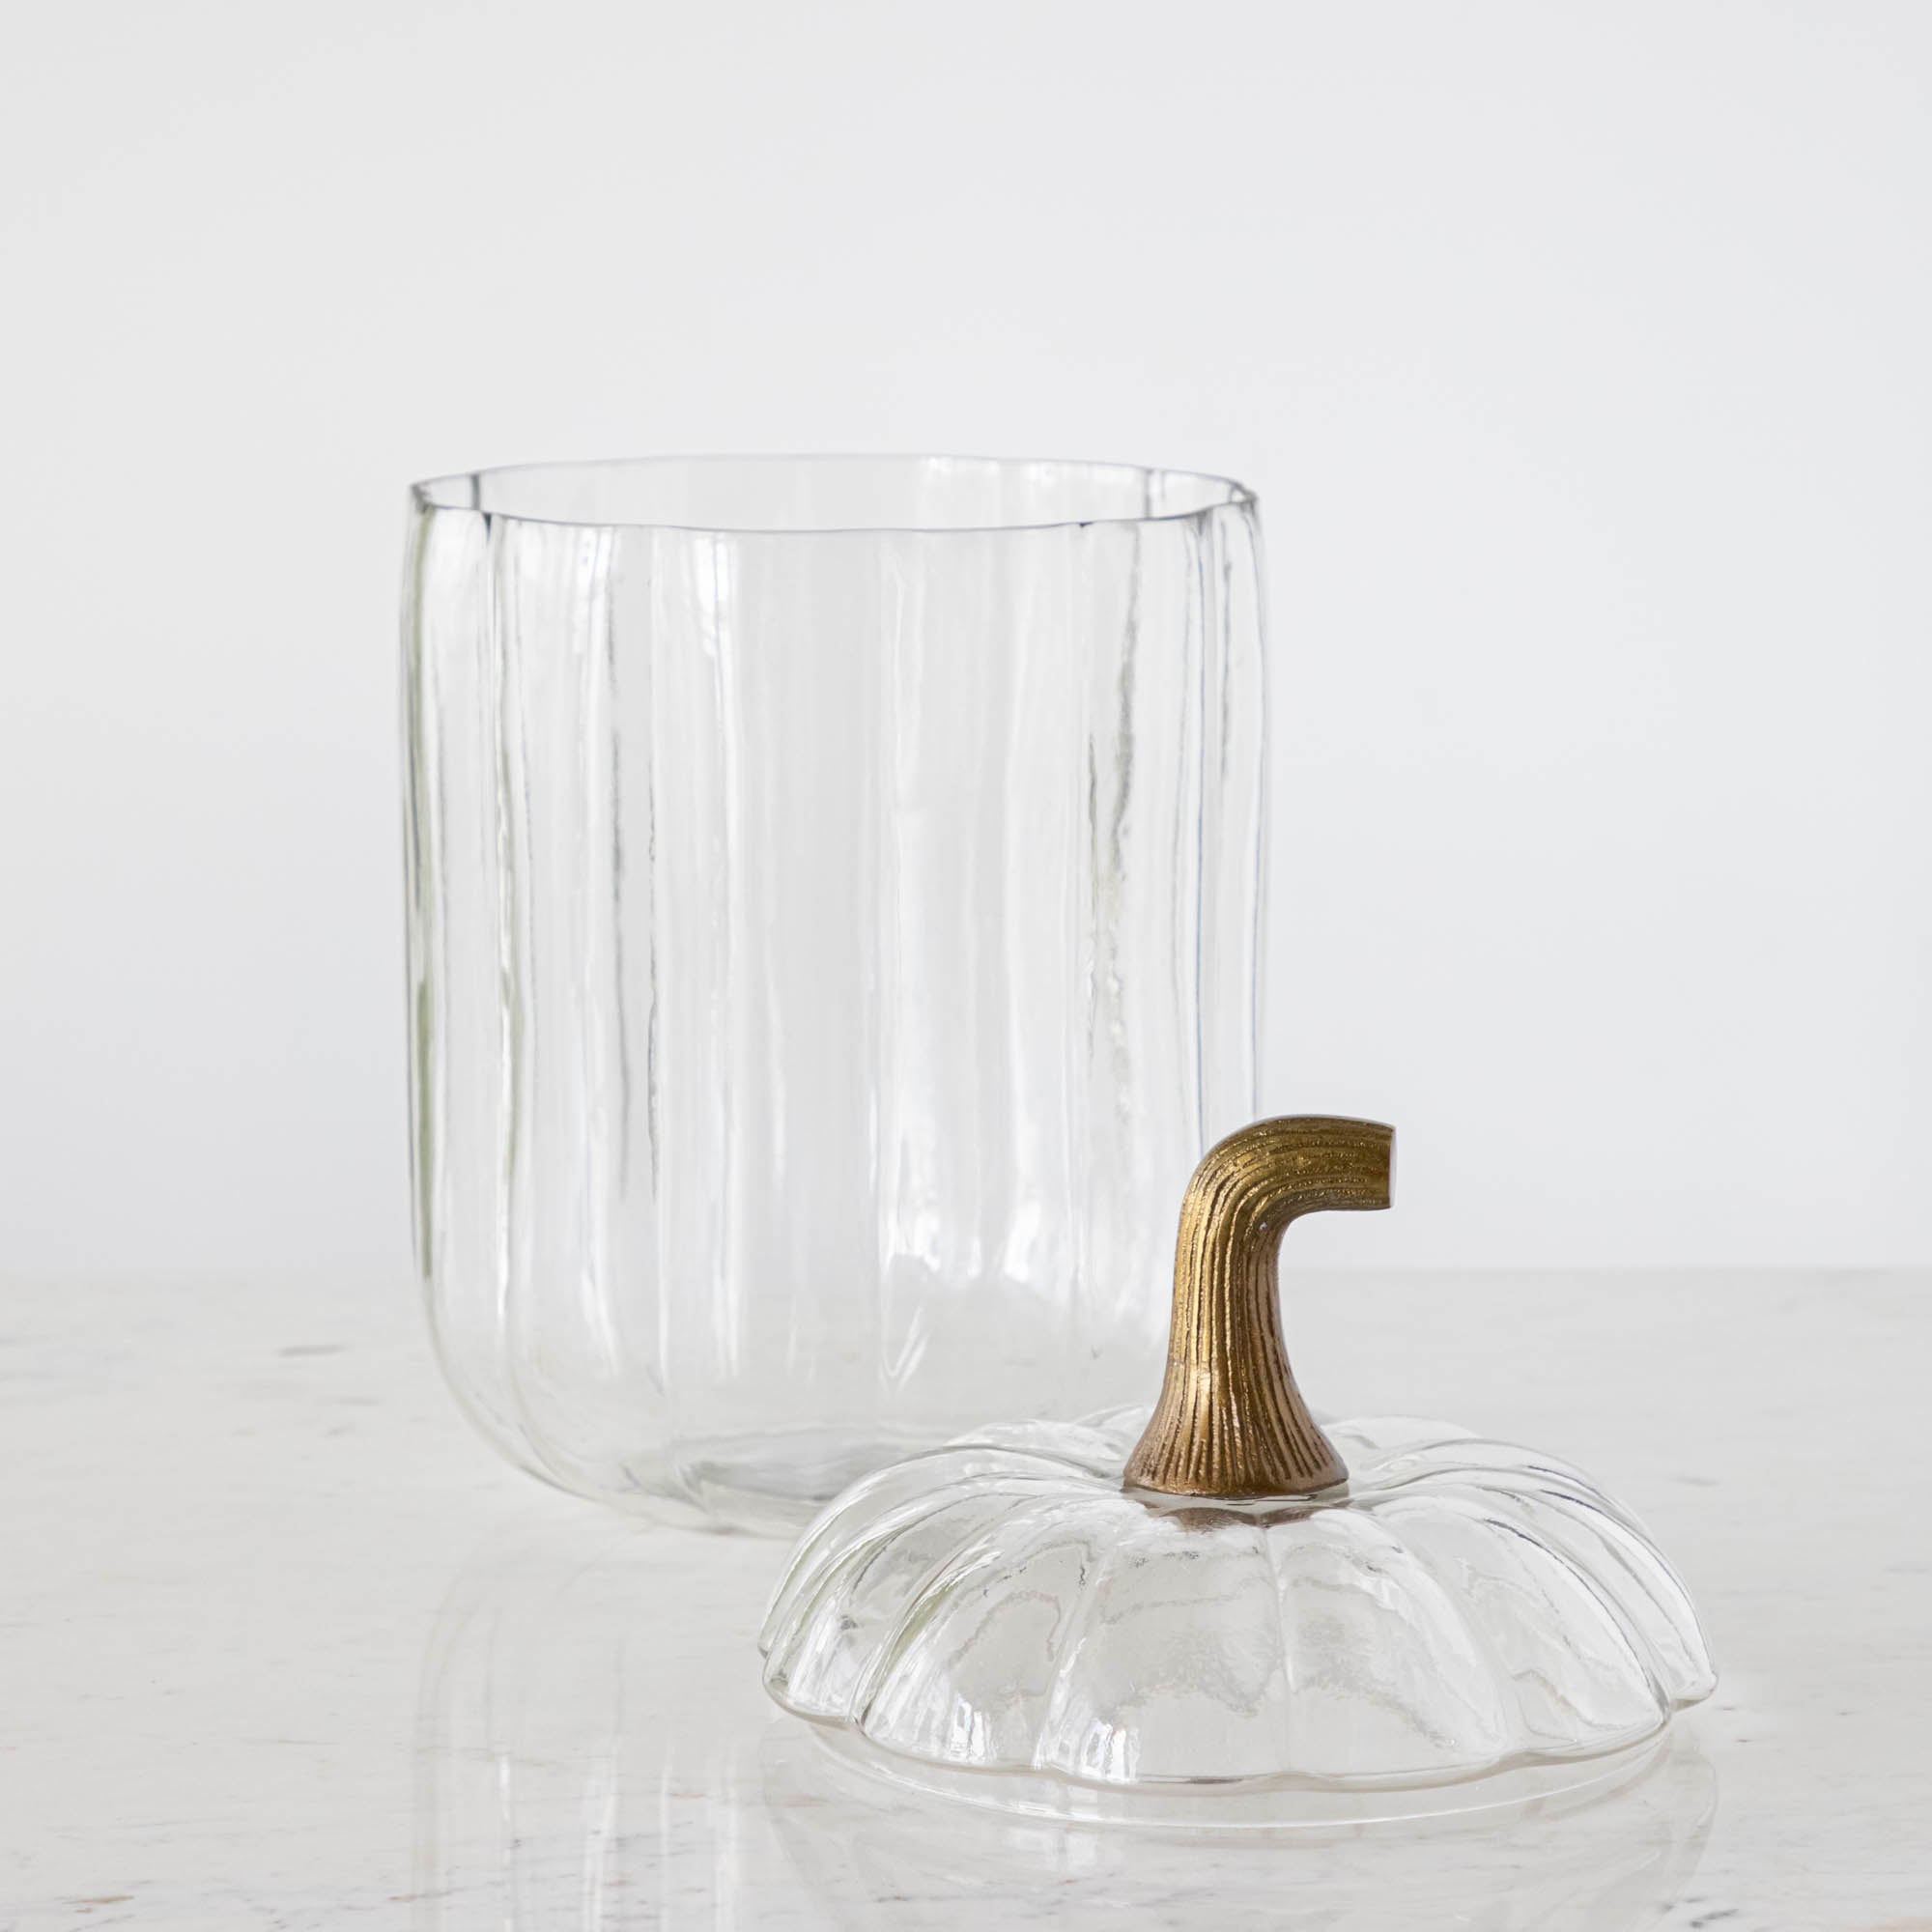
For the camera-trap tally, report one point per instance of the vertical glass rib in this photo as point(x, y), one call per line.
point(831, 948)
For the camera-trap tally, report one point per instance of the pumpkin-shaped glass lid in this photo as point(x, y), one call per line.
point(1223, 1611)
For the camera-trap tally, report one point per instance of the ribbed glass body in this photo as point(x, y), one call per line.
point(1011, 1622)
point(833, 923)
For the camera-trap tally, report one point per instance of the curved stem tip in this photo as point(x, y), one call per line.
point(1229, 1422)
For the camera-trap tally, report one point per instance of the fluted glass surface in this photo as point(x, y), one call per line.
point(1010, 1621)
point(833, 923)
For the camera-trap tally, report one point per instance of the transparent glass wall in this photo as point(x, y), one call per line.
point(832, 920)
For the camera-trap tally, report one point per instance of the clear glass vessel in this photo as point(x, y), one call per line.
point(833, 923)
point(591, 1755)
point(1221, 1613)
point(1010, 1624)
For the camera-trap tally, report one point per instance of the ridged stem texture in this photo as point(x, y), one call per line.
point(1231, 1423)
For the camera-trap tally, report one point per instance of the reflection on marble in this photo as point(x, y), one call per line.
point(593, 1755)
point(1603, 1865)
point(238, 1513)
point(583, 1760)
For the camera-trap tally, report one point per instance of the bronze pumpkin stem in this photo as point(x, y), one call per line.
point(1231, 1423)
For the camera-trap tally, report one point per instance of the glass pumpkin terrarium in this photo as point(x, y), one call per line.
point(1221, 1611)
point(833, 913)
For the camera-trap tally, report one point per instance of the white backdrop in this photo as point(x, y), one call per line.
point(1583, 356)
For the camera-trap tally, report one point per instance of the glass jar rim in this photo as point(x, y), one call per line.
point(1200, 493)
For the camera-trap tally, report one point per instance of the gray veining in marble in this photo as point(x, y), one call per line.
point(283, 1647)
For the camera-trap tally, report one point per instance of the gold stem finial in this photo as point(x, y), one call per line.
point(1229, 1422)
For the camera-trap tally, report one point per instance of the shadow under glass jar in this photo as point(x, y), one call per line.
point(832, 912)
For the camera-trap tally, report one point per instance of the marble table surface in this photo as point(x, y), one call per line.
point(283, 1646)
